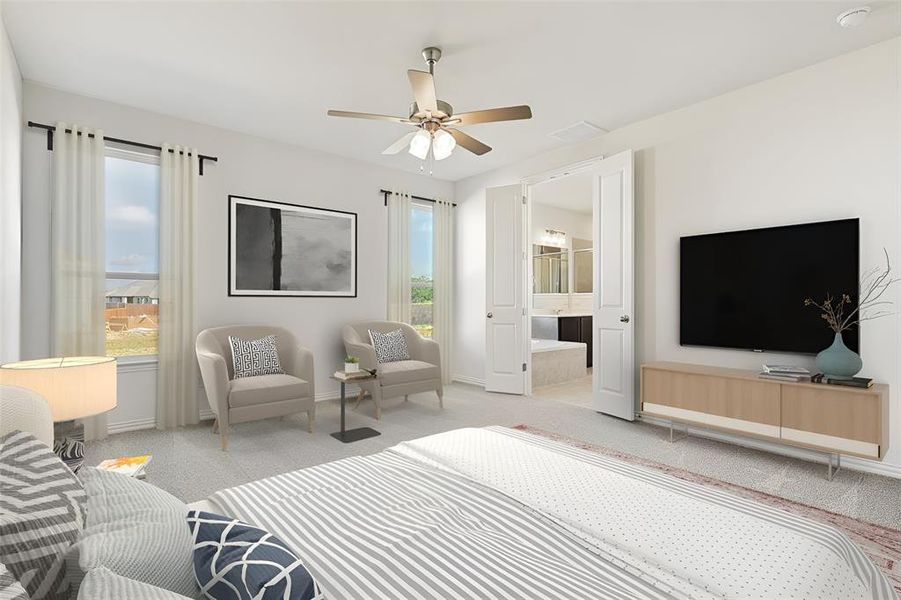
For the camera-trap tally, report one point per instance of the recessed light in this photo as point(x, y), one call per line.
point(853, 17)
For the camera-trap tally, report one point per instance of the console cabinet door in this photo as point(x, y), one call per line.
point(837, 420)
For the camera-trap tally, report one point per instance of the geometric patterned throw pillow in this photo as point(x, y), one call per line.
point(234, 560)
point(251, 358)
point(389, 347)
point(42, 509)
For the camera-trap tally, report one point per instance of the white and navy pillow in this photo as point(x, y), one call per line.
point(237, 561)
point(389, 347)
point(42, 507)
point(251, 358)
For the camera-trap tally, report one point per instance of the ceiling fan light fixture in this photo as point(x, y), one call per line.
point(419, 145)
point(443, 145)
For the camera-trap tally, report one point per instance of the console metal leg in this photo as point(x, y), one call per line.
point(838, 465)
point(681, 437)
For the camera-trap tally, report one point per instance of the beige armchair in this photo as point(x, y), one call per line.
point(422, 373)
point(253, 398)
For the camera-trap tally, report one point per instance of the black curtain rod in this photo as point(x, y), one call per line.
point(388, 193)
point(51, 128)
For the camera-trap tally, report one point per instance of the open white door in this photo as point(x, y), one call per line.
point(505, 314)
point(613, 380)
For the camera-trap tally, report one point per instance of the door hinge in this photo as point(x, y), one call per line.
point(523, 367)
point(523, 199)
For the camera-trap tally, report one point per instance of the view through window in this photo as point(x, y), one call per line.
point(421, 286)
point(132, 254)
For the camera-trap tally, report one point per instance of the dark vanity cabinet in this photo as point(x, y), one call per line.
point(576, 329)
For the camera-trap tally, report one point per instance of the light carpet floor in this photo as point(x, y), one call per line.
point(188, 462)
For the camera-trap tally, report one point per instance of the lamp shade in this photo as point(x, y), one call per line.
point(74, 387)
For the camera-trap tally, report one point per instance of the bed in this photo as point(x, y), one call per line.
point(499, 513)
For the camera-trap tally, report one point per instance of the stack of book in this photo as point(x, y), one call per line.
point(857, 382)
point(361, 374)
point(132, 466)
point(785, 373)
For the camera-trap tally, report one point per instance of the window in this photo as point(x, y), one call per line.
point(421, 285)
point(132, 253)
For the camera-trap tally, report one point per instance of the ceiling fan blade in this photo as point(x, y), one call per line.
point(400, 144)
point(423, 85)
point(491, 115)
point(469, 142)
point(359, 115)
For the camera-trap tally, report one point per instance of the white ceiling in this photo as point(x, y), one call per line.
point(572, 192)
point(273, 69)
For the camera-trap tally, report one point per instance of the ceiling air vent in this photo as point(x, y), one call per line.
point(578, 132)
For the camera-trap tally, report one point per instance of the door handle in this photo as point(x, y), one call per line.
point(490, 315)
point(624, 319)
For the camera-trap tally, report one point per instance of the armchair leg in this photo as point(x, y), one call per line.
point(377, 399)
point(406, 398)
point(223, 435)
point(440, 393)
point(360, 397)
point(216, 425)
point(311, 417)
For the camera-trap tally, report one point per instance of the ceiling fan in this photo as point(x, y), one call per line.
point(433, 118)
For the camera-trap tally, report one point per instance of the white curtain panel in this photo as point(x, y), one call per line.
point(400, 306)
point(176, 396)
point(77, 268)
point(443, 278)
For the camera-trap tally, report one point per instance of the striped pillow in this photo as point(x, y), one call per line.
point(135, 530)
point(41, 515)
point(236, 560)
point(251, 358)
point(103, 584)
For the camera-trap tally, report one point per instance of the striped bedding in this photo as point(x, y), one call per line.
point(498, 513)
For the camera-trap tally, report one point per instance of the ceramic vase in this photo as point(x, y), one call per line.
point(351, 367)
point(837, 361)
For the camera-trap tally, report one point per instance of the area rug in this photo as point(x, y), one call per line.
point(881, 544)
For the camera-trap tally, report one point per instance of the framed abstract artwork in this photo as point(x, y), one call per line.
point(279, 249)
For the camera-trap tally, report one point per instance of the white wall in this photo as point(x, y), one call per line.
point(816, 144)
point(247, 166)
point(10, 199)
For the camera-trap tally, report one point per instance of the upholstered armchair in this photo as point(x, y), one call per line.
point(422, 373)
point(252, 398)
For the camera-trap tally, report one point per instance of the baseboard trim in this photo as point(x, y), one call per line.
point(469, 380)
point(850, 462)
point(132, 425)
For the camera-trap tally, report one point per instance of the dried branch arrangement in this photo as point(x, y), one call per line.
point(873, 286)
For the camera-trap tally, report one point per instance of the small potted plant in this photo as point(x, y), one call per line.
point(351, 364)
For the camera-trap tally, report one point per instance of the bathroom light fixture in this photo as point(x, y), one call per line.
point(420, 144)
point(552, 237)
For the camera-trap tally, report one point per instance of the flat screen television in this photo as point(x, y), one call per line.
point(746, 289)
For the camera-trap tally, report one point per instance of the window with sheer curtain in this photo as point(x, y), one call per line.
point(132, 253)
point(422, 287)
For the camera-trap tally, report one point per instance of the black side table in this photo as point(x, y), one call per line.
point(360, 433)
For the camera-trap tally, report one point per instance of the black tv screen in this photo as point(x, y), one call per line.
point(746, 289)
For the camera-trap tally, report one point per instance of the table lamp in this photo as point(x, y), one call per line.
point(75, 387)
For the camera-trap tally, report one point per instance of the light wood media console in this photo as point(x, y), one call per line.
point(828, 418)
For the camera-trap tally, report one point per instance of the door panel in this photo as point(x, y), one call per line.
point(613, 311)
point(505, 319)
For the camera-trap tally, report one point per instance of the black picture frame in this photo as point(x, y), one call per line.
point(275, 261)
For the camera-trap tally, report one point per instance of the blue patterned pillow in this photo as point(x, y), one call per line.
point(237, 561)
point(251, 358)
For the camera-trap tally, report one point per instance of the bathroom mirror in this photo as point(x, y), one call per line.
point(550, 270)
